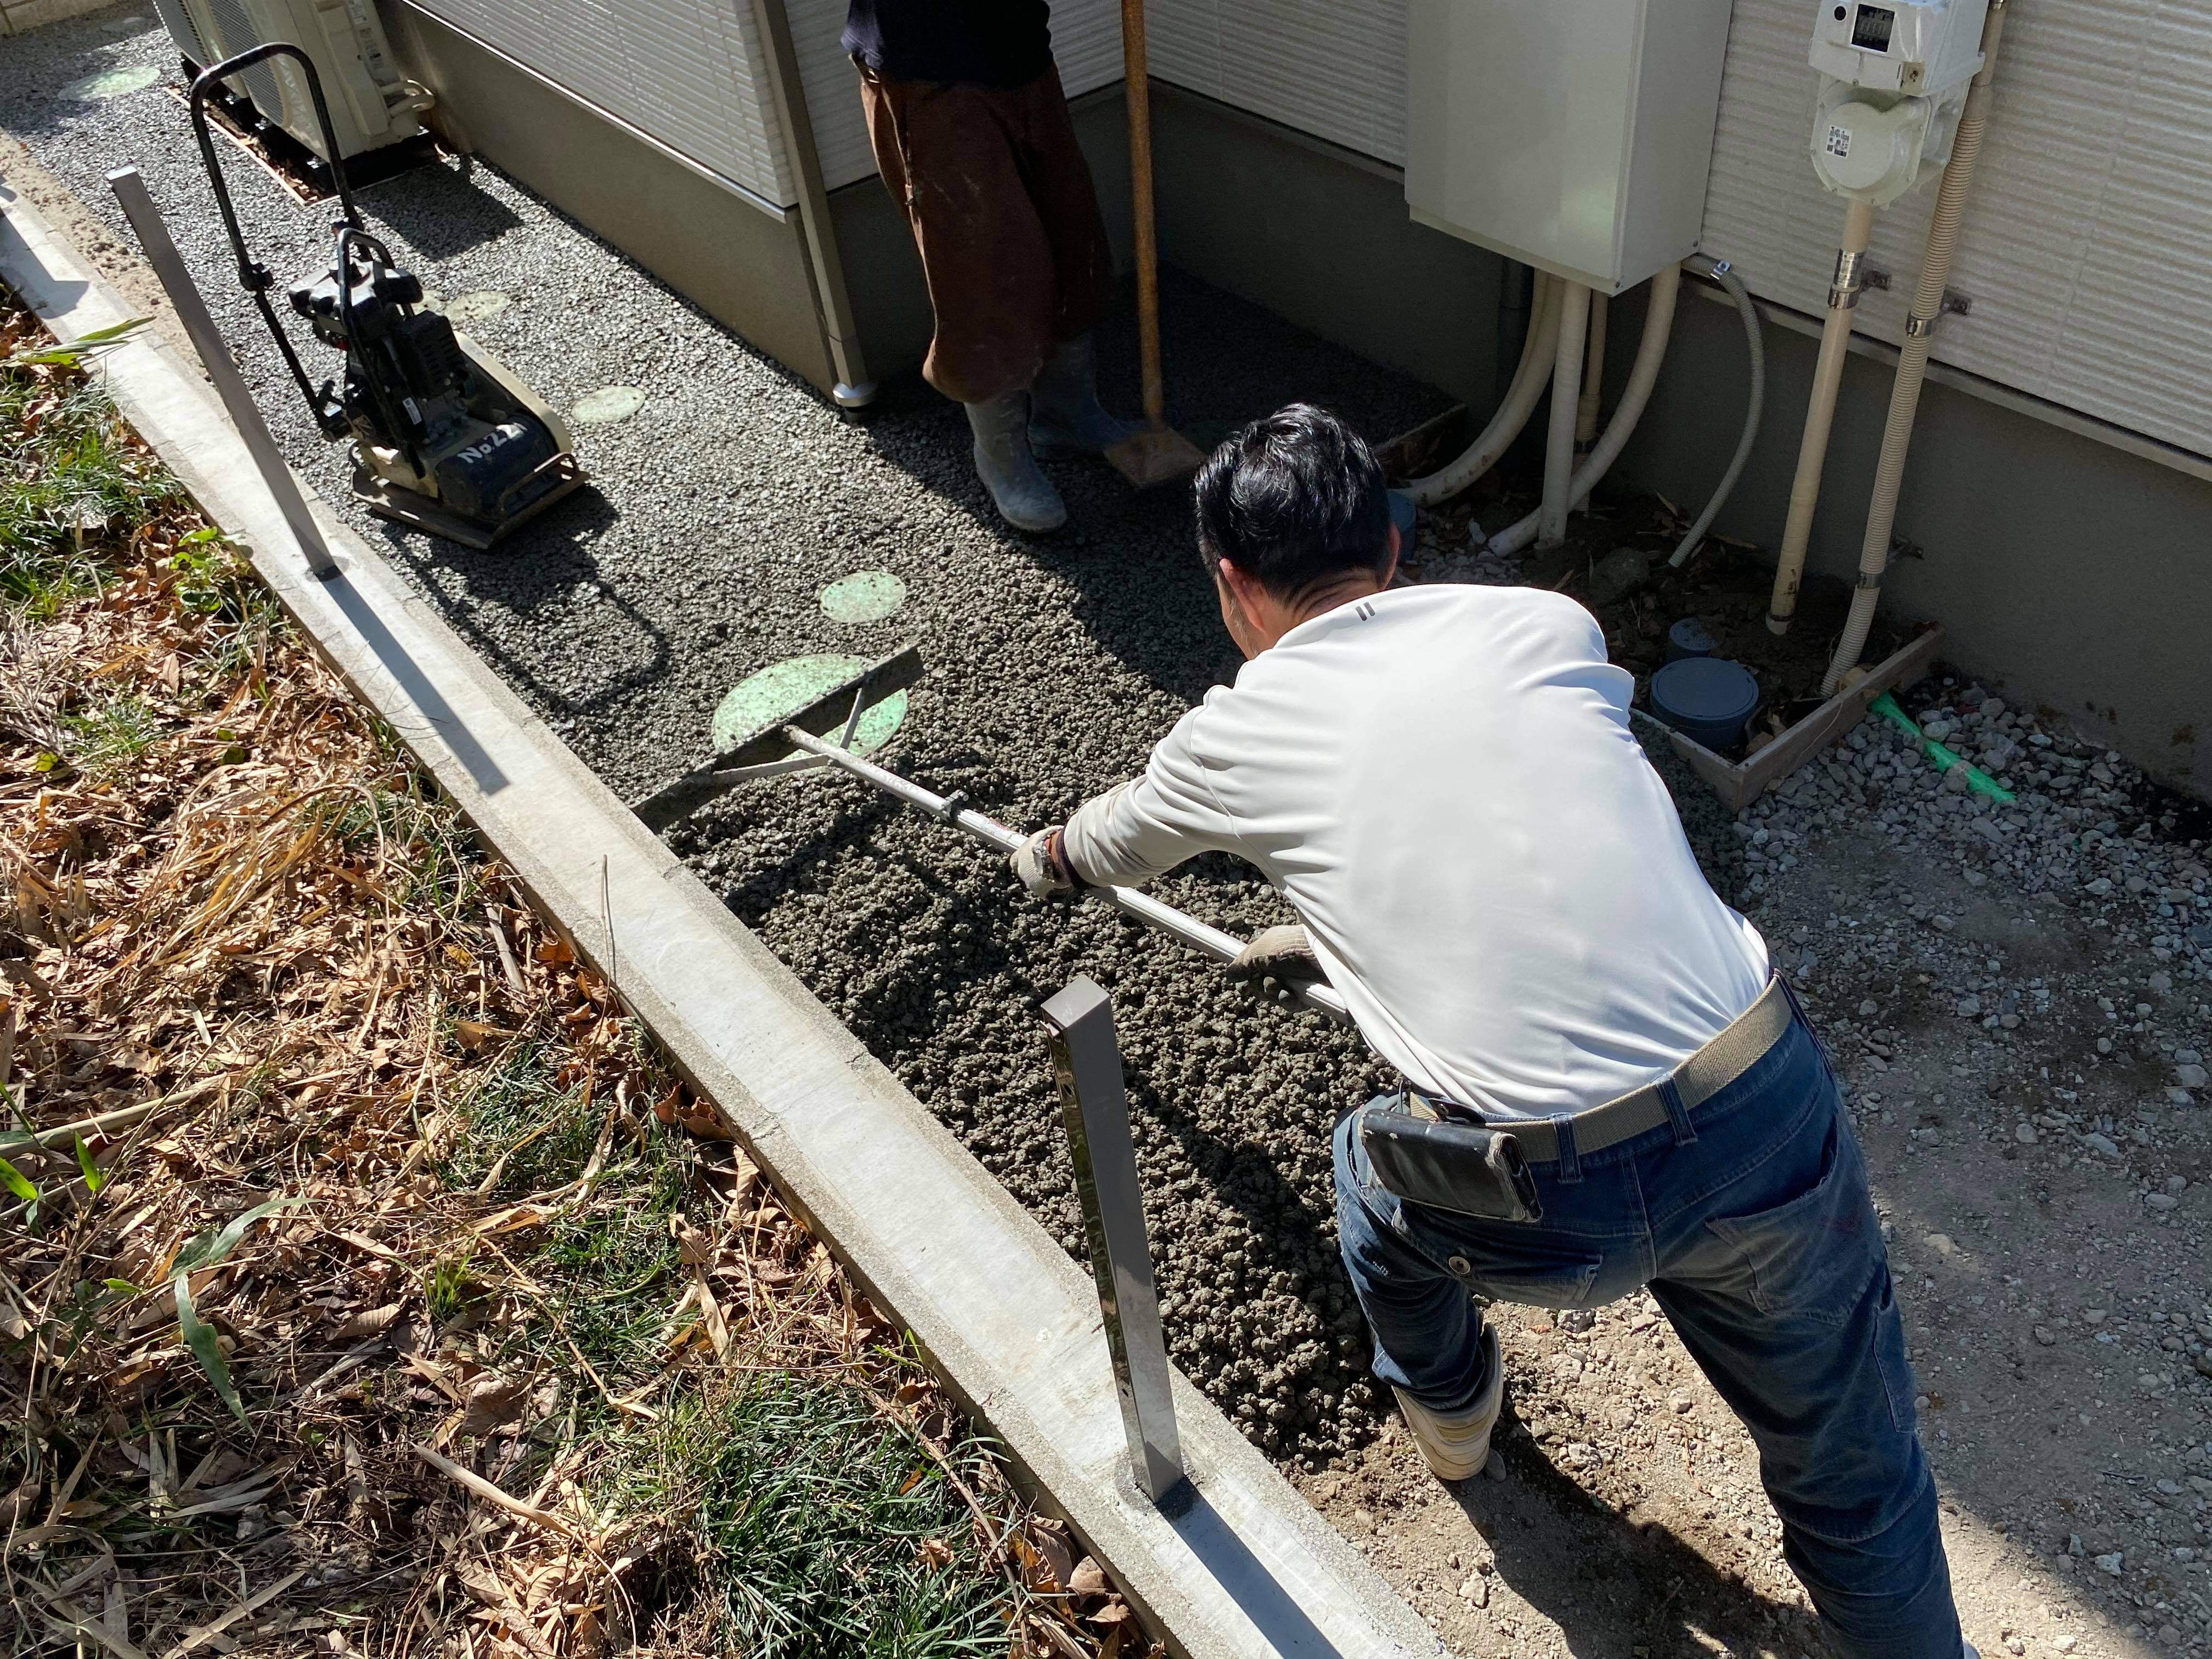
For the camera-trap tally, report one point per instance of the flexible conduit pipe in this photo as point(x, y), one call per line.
point(1719, 270)
point(1593, 373)
point(1820, 411)
point(1913, 360)
point(1566, 399)
point(1529, 380)
point(1650, 352)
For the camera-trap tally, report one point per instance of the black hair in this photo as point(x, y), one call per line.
point(1294, 499)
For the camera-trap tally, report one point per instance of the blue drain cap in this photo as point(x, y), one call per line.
point(1708, 700)
point(1690, 637)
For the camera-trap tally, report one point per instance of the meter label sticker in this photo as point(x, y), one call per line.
point(1839, 141)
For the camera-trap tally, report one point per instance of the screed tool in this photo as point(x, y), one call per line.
point(797, 743)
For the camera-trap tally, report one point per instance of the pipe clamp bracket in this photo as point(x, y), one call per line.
point(1916, 327)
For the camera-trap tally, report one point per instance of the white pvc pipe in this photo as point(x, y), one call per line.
point(1820, 412)
point(1755, 342)
point(1912, 360)
point(1566, 396)
point(1529, 380)
point(1651, 353)
point(1586, 413)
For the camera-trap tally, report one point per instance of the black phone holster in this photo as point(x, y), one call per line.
point(1450, 1164)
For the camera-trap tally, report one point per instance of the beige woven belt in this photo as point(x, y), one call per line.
point(1696, 1080)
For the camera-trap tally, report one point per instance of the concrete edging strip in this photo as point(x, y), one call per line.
point(1011, 1322)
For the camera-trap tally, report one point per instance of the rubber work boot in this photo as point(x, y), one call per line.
point(1065, 417)
point(1024, 495)
point(1457, 1446)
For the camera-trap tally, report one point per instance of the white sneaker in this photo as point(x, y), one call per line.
point(1457, 1446)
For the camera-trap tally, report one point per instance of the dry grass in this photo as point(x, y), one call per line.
point(367, 1282)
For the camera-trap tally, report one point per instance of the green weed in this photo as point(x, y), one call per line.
point(111, 735)
point(812, 1512)
point(68, 476)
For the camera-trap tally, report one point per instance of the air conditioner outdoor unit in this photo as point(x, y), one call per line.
point(372, 103)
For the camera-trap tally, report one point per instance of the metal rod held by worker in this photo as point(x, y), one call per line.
point(1087, 1063)
point(207, 340)
point(1221, 946)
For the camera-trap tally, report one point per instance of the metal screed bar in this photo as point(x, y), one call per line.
point(191, 310)
point(1087, 1063)
point(1222, 947)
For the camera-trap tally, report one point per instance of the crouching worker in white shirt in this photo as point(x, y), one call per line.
point(1606, 1089)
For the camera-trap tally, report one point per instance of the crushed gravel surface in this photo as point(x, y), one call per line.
point(2017, 995)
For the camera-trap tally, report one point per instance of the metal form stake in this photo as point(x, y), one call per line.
point(1087, 1062)
point(191, 310)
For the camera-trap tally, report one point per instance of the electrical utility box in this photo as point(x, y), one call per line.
point(1572, 135)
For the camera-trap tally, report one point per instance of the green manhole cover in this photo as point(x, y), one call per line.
point(864, 596)
point(111, 83)
point(476, 305)
point(782, 688)
point(608, 405)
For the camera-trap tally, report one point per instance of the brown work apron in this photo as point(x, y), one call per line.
point(1006, 220)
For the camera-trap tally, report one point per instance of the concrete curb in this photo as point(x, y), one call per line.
point(1012, 1324)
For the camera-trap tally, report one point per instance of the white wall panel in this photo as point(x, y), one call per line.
point(681, 71)
point(1335, 69)
point(1086, 41)
point(2087, 246)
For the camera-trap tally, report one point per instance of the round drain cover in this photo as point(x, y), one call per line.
point(782, 688)
point(110, 84)
point(608, 405)
point(864, 596)
point(475, 306)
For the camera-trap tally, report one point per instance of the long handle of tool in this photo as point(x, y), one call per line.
point(1198, 935)
point(1136, 68)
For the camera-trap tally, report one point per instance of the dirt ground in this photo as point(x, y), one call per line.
point(2039, 1292)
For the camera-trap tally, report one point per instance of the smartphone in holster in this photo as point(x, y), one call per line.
point(1450, 1165)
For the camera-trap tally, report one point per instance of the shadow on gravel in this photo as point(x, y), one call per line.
point(544, 572)
point(440, 211)
point(1593, 1570)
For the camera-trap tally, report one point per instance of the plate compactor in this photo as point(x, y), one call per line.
point(801, 742)
point(444, 438)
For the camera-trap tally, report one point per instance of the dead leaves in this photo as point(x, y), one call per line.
point(1079, 1612)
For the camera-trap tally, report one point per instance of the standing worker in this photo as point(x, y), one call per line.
point(971, 129)
point(1605, 1086)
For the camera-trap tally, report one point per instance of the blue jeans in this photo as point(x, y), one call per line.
point(1750, 1223)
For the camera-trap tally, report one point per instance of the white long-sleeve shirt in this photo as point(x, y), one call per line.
point(1442, 783)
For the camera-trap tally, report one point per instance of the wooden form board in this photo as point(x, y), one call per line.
point(1739, 783)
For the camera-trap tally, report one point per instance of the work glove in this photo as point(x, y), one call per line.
point(1042, 864)
point(1277, 959)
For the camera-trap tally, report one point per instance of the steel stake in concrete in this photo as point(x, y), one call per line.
point(245, 413)
point(1087, 1061)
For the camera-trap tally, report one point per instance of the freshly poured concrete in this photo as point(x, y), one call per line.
point(1247, 1568)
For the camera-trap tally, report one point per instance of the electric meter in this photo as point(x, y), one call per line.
point(1893, 77)
point(1924, 47)
point(1877, 149)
